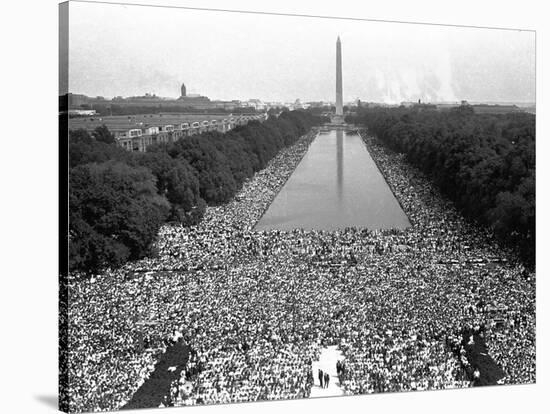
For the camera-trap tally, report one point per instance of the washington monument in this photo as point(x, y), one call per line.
point(339, 118)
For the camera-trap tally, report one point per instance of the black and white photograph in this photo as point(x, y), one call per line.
point(240, 230)
point(263, 205)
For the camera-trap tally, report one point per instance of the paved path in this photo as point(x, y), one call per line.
point(327, 363)
point(157, 386)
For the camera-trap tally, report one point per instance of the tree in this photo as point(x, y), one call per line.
point(102, 134)
point(118, 199)
point(115, 214)
point(484, 163)
point(84, 148)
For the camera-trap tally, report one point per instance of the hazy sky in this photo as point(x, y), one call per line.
point(131, 50)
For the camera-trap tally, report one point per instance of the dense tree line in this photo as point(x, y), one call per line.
point(484, 163)
point(119, 199)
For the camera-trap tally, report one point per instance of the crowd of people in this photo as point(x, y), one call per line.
point(257, 307)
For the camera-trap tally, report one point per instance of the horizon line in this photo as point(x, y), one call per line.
point(292, 100)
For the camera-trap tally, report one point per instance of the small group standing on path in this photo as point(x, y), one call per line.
point(340, 368)
point(324, 379)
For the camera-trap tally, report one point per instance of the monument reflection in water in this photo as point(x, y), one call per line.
point(336, 185)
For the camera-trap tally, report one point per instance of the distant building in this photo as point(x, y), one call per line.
point(199, 102)
point(76, 100)
point(150, 100)
point(317, 104)
point(226, 105)
point(257, 104)
point(137, 132)
point(81, 112)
